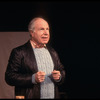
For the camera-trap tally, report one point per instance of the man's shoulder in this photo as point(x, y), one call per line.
point(22, 46)
point(50, 48)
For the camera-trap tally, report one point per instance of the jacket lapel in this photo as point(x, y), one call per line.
point(32, 61)
point(52, 53)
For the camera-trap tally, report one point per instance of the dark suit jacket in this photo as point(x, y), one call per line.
point(21, 66)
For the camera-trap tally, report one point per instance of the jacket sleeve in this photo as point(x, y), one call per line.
point(14, 76)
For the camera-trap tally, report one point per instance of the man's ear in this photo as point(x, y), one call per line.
point(31, 33)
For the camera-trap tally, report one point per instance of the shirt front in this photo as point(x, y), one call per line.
point(45, 64)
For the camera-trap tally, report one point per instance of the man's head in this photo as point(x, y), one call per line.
point(39, 30)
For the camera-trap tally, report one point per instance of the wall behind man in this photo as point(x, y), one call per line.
point(8, 41)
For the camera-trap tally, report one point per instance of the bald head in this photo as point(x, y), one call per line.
point(36, 21)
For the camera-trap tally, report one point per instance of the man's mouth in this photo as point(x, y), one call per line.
point(44, 37)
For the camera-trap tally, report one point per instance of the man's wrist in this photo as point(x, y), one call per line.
point(33, 79)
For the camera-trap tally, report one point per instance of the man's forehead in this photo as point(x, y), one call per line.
point(41, 22)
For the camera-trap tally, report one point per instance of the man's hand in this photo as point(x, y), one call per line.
point(39, 76)
point(56, 75)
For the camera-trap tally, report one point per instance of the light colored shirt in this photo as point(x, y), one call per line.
point(45, 64)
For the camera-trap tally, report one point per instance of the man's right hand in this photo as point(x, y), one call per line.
point(40, 76)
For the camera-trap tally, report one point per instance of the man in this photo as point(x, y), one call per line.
point(35, 68)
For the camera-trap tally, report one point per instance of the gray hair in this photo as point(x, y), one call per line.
point(31, 23)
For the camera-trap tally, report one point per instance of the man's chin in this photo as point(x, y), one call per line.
point(45, 42)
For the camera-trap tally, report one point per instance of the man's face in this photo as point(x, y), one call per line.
point(41, 33)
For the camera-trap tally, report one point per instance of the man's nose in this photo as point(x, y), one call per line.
point(46, 32)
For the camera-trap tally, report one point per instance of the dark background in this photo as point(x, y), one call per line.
point(75, 29)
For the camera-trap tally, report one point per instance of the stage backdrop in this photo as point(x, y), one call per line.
point(8, 41)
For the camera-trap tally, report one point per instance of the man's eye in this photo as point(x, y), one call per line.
point(41, 29)
point(47, 29)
